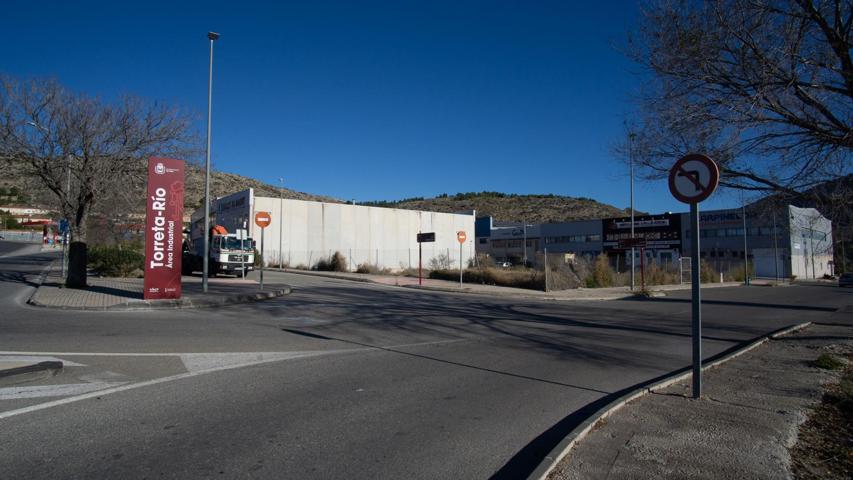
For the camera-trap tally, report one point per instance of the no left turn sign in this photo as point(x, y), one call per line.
point(693, 178)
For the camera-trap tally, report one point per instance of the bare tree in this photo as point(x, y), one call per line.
point(52, 133)
point(764, 86)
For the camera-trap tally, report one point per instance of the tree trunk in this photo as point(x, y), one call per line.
point(77, 253)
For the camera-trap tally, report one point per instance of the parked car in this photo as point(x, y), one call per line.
point(846, 280)
point(505, 264)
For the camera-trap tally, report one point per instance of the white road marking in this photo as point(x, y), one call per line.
point(122, 388)
point(200, 362)
point(196, 363)
point(37, 358)
point(37, 391)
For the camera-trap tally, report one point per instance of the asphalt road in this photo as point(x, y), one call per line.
point(344, 379)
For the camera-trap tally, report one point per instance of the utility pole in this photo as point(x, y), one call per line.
point(524, 245)
point(212, 36)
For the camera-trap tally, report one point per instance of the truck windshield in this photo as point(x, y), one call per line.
point(231, 243)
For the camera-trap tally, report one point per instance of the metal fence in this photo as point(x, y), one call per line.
point(392, 260)
point(21, 236)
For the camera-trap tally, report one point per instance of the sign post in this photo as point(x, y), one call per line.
point(63, 232)
point(461, 237)
point(262, 219)
point(423, 238)
point(163, 227)
point(693, 179)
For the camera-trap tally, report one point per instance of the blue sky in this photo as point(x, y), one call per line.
point(368, 100)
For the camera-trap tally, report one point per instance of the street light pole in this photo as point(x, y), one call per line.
point(280, 224)
point(631, 161)
point(745, 254)
point(212, 36)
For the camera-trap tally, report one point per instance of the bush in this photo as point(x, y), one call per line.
point(529, 279)
point(115, 261)
point(828, 362)
point(336, 263)
point(735, 273)
point(707, 273)
point(366, 268)
point(440, 262)
point(656, 275)
point(602, 272)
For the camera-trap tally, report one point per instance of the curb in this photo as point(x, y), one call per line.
point(183, 303)
point(11, 376)
point(558, 453)
point(41, 278)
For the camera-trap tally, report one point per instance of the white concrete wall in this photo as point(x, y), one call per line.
point(811, 243)
point(383, 237)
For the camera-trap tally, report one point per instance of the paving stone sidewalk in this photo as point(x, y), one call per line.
point(126, 293)
point(742, 427)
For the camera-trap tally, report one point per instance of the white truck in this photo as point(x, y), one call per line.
point(228, 252)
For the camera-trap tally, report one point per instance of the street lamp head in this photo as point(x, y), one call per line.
point(213, 35)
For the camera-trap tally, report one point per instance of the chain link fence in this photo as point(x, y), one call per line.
point(369, 260)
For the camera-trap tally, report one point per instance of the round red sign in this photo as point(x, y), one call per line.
point(693, 178)
point(461, 236)
point(262, 219)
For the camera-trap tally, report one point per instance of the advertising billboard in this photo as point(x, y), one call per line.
point(657, 231)
point(164, 228)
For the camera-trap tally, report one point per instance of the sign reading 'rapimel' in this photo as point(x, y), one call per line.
point(163, 228)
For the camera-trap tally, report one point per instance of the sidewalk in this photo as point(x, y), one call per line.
point(430, 284)
point(126, 293)
point(742, 427)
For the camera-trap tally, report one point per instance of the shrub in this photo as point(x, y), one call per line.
point(656, 275)
point(602, 272)
point(115, 261)
point(529, 279)
point(440, 262)
point(365, 268)
point(707, 272)
point(335, 263)
point(828, 362)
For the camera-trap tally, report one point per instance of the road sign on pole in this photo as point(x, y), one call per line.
point(423, 238)
point(693, 179)
point(263, 220)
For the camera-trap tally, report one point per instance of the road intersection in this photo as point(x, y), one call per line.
point(343, 378)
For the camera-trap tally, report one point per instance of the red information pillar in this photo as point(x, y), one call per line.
point(164, 228)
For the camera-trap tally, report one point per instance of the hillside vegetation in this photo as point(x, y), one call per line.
point(508, 207)
point(221, 184)
point(501, 206)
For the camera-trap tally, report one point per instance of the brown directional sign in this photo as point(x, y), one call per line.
point(426, 237)
point(693, 178)
point(262, 219)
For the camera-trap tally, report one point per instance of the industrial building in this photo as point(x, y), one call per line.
point(303, 232)
point(783, 242)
